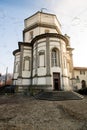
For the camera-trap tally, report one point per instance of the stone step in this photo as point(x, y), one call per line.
point(58, 95)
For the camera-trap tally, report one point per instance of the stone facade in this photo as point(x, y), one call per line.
point(44, 58)
point(80, 74)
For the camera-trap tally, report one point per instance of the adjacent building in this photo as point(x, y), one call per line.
point(44, 59)
point(80, 74)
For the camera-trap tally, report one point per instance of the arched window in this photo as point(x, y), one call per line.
point(26, 63)
point(55, 57)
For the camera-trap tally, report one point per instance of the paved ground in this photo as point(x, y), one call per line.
point(25, 113)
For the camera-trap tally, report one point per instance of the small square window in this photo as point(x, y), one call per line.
point(82, 72)
point(31, 35)
point(46, 31)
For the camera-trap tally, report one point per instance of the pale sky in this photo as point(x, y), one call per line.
point(72, 15)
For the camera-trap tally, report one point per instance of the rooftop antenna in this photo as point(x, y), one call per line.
point(43, 9)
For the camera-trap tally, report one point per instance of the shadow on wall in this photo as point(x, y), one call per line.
point(7, 89)
point(82, 91)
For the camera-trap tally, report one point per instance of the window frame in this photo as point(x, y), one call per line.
point(26, 58)
point(55, 57)
point(42, 52)
point(31, 34)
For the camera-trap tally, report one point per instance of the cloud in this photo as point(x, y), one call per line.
point(68, 7)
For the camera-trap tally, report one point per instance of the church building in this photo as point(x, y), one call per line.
point(44, 59)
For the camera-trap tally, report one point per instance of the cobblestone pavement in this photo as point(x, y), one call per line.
point(26, 113)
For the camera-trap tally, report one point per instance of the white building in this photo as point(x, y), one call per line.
point(44, 58)
point(80, 74)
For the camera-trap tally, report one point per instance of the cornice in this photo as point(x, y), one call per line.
point(16, 51)
point(80, 68)
point(24, 44)
point(50, 35)
point(20, 44)
point(40, 13)
point(45, 25)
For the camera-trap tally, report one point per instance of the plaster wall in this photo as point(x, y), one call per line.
point(37, 31)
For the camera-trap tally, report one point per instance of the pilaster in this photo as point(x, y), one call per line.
point(47, 57)
point(36, 58)
point(21, 59)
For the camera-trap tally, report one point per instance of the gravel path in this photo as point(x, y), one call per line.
point(25, 113)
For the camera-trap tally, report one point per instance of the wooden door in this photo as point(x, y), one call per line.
point(56, 81)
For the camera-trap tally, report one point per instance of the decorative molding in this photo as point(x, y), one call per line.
point(50, 35)
point(21, 44)
point(42, 76)
point(42, 41)
point(16, 51)
point(39, 24)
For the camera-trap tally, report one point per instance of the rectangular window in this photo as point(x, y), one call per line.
point(82, 72)
point(46, 31)
point(41, 59)
point(26, 65)
point(31, 35)
point(54, 58)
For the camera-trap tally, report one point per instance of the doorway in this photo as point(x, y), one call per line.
point(56, 81)
point(83, 82)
